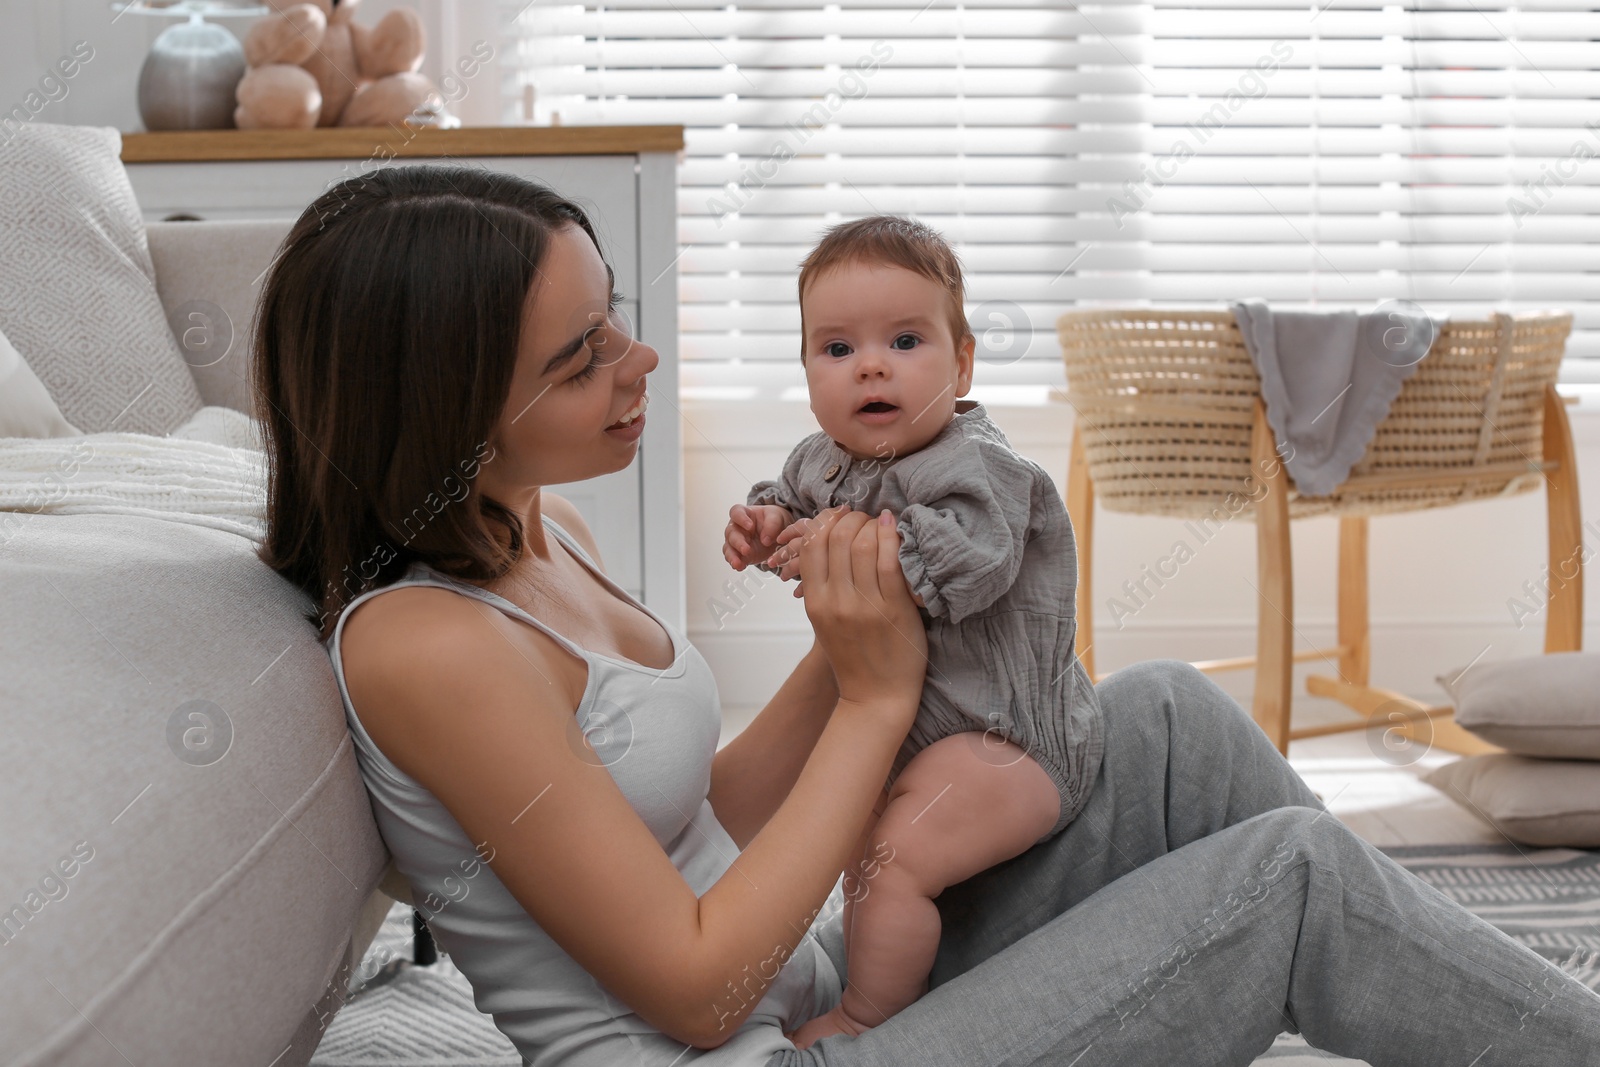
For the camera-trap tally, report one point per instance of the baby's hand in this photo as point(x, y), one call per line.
point(790, 539)
point(752, 532)
point(787, 557)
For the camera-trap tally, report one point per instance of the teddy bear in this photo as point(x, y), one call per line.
point(311, 65)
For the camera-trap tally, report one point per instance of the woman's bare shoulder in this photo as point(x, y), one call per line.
point(373, 627)
point(393, 644)
point(377, 630)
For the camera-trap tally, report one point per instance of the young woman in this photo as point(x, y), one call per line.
point(434, 346)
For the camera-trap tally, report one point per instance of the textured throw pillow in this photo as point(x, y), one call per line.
point(1538, 706)
point(26, 409)
point(1551, 803)
point(77, 289)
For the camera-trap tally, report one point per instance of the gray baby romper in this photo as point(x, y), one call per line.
point(986, 543)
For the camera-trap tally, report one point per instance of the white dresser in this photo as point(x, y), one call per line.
point(624, 177)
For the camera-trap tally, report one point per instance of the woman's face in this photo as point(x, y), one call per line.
point(578, 372)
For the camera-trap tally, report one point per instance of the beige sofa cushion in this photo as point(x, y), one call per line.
point(77, 289)
point(1538, 706)
point(209, 276)
point(181, 888)
point(1550, 803)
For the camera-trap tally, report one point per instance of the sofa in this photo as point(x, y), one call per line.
point(192, 869)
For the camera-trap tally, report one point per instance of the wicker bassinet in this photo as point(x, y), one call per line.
point(1166, 400)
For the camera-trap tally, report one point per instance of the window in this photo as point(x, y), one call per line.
point(1176, 154)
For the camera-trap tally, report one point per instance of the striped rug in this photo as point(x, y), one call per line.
point(405, 1016)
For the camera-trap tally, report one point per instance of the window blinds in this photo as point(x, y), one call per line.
point(1180, 153)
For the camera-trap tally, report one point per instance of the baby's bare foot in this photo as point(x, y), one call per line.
point(837, 1021)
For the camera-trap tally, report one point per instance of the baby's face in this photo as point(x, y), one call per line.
point(882, 367)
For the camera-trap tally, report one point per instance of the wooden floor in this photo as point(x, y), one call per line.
point(1386, 804)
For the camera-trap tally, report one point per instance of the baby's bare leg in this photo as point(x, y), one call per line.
point(856, 876)
point(962, 805)
point(863, 867)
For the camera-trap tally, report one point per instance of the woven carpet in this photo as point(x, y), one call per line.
point(401, 1015)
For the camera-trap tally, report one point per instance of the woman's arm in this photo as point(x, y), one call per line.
point(861, 610)
point(752, 774)
point(474, 707)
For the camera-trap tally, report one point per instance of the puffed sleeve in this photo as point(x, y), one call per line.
point(962, 549)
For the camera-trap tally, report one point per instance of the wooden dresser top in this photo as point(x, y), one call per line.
point(384, 142)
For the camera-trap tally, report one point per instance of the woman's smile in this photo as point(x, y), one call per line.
point(631, 425)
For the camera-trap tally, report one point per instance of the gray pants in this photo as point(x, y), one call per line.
point(1202, 903)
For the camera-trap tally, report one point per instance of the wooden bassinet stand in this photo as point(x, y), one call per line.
point(1170, 421)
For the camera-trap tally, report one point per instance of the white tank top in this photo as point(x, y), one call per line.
point(656, 732)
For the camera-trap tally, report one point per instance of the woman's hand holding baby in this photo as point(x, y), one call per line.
point(752, 531)
point(787, 557)
point(861, 609)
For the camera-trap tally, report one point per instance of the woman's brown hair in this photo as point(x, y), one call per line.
point(385, 338)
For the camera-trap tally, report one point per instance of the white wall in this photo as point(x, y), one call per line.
point(1441, 579)
point(35, 33)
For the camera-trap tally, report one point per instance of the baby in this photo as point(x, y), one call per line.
point(1007, 740)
